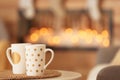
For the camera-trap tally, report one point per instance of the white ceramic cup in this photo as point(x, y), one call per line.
point(35, 59)
point(16, 57)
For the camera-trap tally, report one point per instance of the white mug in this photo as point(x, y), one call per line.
point(16, 57)
point(35, 59)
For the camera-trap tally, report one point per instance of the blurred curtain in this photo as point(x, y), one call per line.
point(4, 44)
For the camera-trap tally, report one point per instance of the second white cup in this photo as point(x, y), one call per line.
point(16, 57)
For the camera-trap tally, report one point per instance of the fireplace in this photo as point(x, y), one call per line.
point(76, 32)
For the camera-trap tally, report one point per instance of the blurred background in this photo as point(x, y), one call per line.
point(75, 29)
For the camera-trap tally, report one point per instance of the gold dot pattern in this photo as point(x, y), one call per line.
point(41, 59)
point(41, 70)
point(32, 54)
point(41, 49)
point(35, 49)
point(36, 70)
point(34, 60)
point(38, 54)
point(39, 65)
point(33, 65)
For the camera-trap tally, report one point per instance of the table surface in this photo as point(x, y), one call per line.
point(66, 75)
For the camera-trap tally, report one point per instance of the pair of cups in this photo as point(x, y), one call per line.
point(29, 59)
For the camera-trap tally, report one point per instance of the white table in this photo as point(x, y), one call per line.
point(66, 75)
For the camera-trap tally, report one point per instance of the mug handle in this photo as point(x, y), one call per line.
point(8, 56)
point(52, 56)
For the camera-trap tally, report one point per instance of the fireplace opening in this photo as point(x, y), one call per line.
point(78, 30)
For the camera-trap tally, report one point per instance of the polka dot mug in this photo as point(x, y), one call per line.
point(35, 59)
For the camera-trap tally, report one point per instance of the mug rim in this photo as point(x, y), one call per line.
point(35, 45)
point(19, 44)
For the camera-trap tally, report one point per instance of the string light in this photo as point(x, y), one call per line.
point(87, 37)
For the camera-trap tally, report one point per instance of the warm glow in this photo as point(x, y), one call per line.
point(75, 39)
point(94, 32)
point(106, 43)
point(82, 34)
point(99, 38)
point(88, 30)
point(43, 31)
point(105, 33)
point(68, 31)
point(56, 40)
point(89, 40)
point(34, 37)
point(70, 37)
